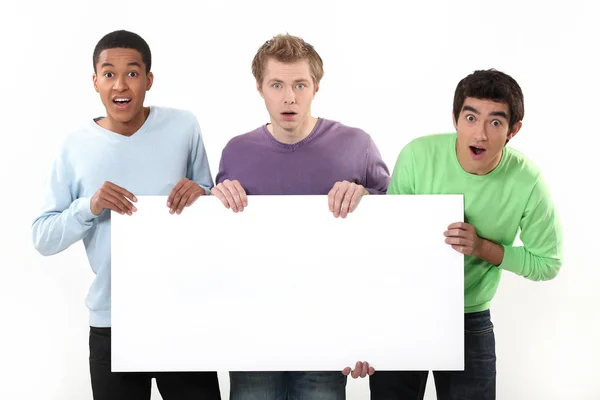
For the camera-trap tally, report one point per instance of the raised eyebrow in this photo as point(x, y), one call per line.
point(499, 114)
point(132, 64)
point(469, 108)
point(276, 80)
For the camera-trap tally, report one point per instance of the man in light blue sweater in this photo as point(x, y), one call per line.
point(134, 150)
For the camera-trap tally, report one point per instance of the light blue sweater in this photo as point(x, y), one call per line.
point(167, 148)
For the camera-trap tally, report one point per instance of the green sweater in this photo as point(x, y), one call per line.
point(512, 196)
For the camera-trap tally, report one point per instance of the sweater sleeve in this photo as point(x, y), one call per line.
point(222, 174)
point(198, 169)
point(402, 181)
point(377, 174)
point(64, 219)
point(540, 257)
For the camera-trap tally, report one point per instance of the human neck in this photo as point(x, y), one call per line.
point(125, 128)
point(294, 136)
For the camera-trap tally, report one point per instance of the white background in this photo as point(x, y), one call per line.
point(389, 71)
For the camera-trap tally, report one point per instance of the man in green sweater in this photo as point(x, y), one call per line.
point(503, 192)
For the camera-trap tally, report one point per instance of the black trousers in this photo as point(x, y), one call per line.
point(108, 385)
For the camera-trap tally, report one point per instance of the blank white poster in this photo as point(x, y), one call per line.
point(284, 285)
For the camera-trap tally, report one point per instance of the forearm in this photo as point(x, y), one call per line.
point(540, 256)
point(519, 260)
point(53, 232)
point(523, 262)
point(490, 252)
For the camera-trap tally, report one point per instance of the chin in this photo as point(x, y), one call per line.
point(124, 117)
point(289, 125)
point(120, 118)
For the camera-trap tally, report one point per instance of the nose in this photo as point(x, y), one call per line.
point(289, 97)
point(120, 84)
point(481, 132)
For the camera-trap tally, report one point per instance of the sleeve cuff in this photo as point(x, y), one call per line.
point(83, 210)
point(206, 190)
point(374, 191)
point(512, 260)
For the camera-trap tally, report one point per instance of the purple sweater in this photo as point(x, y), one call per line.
point(331, 152)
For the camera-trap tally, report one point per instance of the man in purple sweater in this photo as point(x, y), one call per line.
point(297, 154)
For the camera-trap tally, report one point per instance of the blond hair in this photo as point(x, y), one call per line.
point(288, 49)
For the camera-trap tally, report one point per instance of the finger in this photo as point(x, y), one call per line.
point(120, 198)
point(176, 189)
point(460, 249)
point(170, 198)
point(122, 191)
point(216, 191)
point(357, 369)
point(179, 195)
point(339, 197)
point(185, 198)
point(464, 249)
point(454, 225)
point(331, 196)
point(121, 202)
point(358, 194)
point(365, 369)
point(456, 233)
point(458, 241)
point(242, 193)
point(371, 371)
point(346, 371)
point(229, 196)
point(347, 200)
point(459, 225)
point(113, 203)
point(233, 189)
point(194, 196)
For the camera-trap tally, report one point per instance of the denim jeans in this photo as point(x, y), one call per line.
point(295, 385)
point(477, 381)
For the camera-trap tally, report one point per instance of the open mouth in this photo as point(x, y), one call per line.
point(477, 151)
point(288, 115)
point(121, 101)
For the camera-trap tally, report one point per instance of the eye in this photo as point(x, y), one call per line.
point(470, 118)
point(497, 123)
point(300, 86)
point(133, 74)
point(108, 75)
point(277, 85)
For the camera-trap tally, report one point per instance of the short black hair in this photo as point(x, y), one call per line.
point(492, 85)
point(122, 39)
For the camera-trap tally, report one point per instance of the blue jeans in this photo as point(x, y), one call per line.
point(295, 385)
point(477, 381)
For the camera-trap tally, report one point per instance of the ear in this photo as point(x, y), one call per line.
point(516, 128)
point(454, 121)
point(149, 80)
point(95, 80)
point(259, 89)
